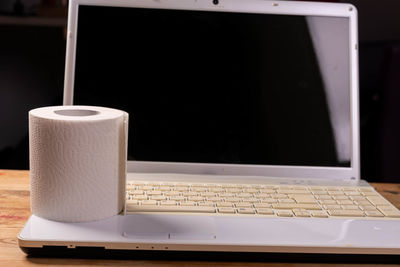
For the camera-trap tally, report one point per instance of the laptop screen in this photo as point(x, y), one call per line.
point(220, 87)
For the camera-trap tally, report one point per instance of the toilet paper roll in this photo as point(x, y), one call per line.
point(77, 162)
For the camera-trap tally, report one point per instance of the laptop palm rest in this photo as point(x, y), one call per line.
point(152, 226)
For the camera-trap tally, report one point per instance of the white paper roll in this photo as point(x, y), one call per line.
point(77, 162)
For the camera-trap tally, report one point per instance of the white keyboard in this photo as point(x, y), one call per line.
point(258, 200)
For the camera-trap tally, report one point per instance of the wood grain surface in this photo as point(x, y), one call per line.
point(15, 211)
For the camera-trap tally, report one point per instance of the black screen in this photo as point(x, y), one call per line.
point(210, 87)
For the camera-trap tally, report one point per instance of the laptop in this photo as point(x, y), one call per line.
point(244, 129)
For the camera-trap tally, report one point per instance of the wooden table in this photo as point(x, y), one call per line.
point(15, 211)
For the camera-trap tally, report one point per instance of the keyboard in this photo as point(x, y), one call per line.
point(258, 200)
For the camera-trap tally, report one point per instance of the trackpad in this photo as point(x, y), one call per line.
point(177, 227)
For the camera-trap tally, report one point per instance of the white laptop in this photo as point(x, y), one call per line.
point(244, 129)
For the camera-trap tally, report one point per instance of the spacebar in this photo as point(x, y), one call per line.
point(137, 208)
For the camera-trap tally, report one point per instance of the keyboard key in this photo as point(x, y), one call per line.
point(269, 200)
point(232, 199)
point(216, 189)
point(200, 209)
point(226, 195)
point(168, 203)
point(140, 197)
point(226, 210)
point(333, 189)
point(195, 198)
point(375, 194)
point(136, 192)
point(149, 202)
point(284, 213)
point(305, 199)
point(245, 210)
point(207, 194)
point(328, 202)
point(317, 188)
point(262, 195)
point(233, 190)
point(187, 203)
point(170, 184)
point(323, 197)
point(197, 185)
point(164, 188)
point(158, 197)
point(189, 194)
point(366, 189)
point(250, 190)
point(243, 195)
point(145, 187)
point(215, 199)
point(181, 188)
point(346, 213)
point(341, 197)
point(285, 187)
point(293, 192)
point(296, 206)
point(347, 189)
point(332, 207)
point(345, 202)
point(320, 192)
point(132, 202)
point(385, 207)
point(336, 193)
point(301, 213)
point(172, 193)
point(206, 203)
point(244, 205)
point(352, 193)
point(130, 187)
point(251, 200)
point(287, 200)
point(198, 189)
point(265, 211)
point(363, 202)
point(319, 214)
point(279, 196)
point(350, 207)
point(154, 184)
point(357, 198)
point(270, 187)
point(268, 191)
point(389, 211)
point(299, 187)
point(367, 207)
point(154, 192)
point(262, 205)
point(224, 204)
point(177, 198)
point(377, 200)
point(373, 213)
point(233, 185)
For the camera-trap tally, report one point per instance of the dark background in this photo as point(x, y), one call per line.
point(32, 73)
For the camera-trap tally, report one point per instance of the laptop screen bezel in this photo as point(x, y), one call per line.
point(251, 6)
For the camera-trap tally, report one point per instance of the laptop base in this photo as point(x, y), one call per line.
point(102, 253)
point(213, 233)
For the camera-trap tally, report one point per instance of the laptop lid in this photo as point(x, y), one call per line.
point(254, 88)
